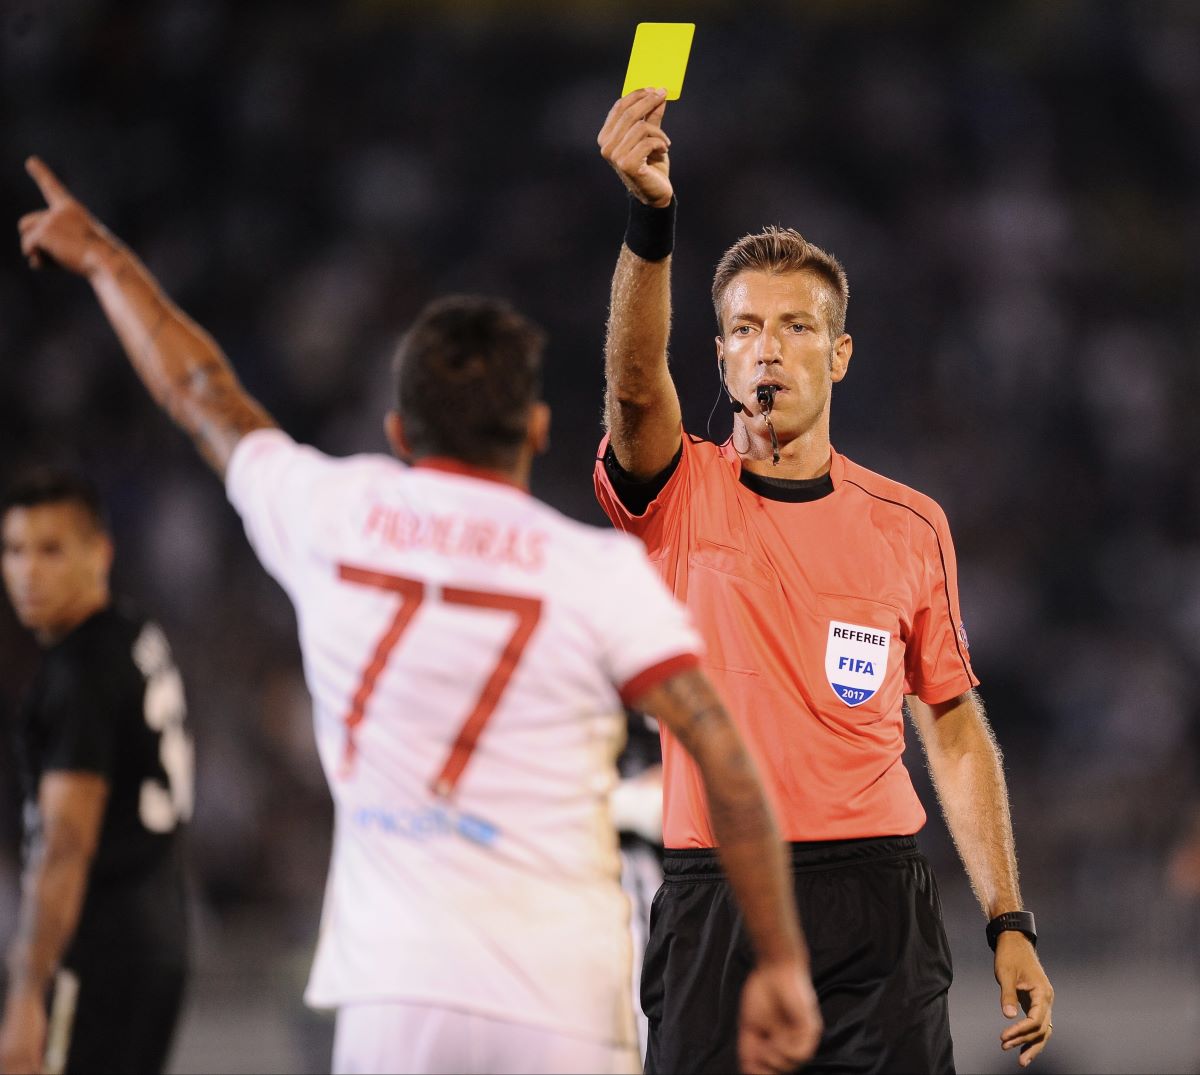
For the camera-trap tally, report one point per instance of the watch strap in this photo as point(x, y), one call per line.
point(1018, 921)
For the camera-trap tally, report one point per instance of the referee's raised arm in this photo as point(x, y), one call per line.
point(641, 407)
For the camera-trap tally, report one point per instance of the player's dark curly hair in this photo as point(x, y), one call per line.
point(53, 483)
point(467, 372)
point(779, 250)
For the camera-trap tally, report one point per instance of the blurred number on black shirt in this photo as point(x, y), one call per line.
point(109, 699)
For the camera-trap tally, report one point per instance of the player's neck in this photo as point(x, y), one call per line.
point(80, 611)
point(522, 471)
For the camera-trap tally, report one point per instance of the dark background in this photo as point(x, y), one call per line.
point(1012, 188)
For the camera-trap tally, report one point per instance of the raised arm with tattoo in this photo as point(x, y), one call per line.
point(180, 364)
point(780, 1020)
point(641, 406)
point(965, 765)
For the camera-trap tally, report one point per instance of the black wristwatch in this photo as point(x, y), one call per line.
point(1021, 921)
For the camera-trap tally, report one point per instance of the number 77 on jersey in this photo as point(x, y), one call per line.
point(412, 592)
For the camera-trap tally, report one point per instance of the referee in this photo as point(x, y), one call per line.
point(96, 969)
point(828, 601)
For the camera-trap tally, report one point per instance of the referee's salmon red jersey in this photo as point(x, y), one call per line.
point(818, 616)
point(466, 647)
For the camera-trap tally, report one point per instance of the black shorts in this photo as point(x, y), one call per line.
point(880, 960)
point(115, 1015)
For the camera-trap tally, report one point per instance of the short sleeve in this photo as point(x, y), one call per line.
point(78, 716)
point(646, 635)
point(271, 482)
point(937, 662)
point(661, 519)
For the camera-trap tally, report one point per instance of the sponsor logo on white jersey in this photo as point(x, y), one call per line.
point(427, 824)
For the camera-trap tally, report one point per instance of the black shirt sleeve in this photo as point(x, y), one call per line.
point(78, 718)
point(634, 494)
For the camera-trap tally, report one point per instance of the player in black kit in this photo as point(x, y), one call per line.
point(96, 969)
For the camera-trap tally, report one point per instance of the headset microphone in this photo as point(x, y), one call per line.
point(765, 394)
point(737, 407)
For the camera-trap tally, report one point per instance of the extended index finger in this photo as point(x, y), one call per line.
point(48, 183)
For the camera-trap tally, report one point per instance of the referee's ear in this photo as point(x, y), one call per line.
point(393, 428)
point(839, 358)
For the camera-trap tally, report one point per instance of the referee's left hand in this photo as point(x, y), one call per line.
point(1022, 980)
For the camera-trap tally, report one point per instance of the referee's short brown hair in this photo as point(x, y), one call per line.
point(783, 250)
point(466, 374)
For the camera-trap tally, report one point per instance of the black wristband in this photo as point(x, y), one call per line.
point(1018, 921)
point(650, 232)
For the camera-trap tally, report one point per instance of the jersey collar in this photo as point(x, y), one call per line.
point(837, 467)
point(837, 463)
point(467, 470)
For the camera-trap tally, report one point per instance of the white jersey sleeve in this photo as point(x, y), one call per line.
point(647, 636)
point(274, 483)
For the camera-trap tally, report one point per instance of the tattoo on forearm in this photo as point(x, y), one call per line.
point(180, 364)
point(746, 837)
point(700, 722)
point(152, 338)
point(704, 716)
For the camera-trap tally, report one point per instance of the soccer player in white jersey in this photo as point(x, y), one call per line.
point(468, 649)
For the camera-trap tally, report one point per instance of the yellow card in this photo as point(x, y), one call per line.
point(659, 57)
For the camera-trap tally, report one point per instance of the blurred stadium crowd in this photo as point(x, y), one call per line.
point(1012, 188)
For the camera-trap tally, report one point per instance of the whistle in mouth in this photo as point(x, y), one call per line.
point(766, 396)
